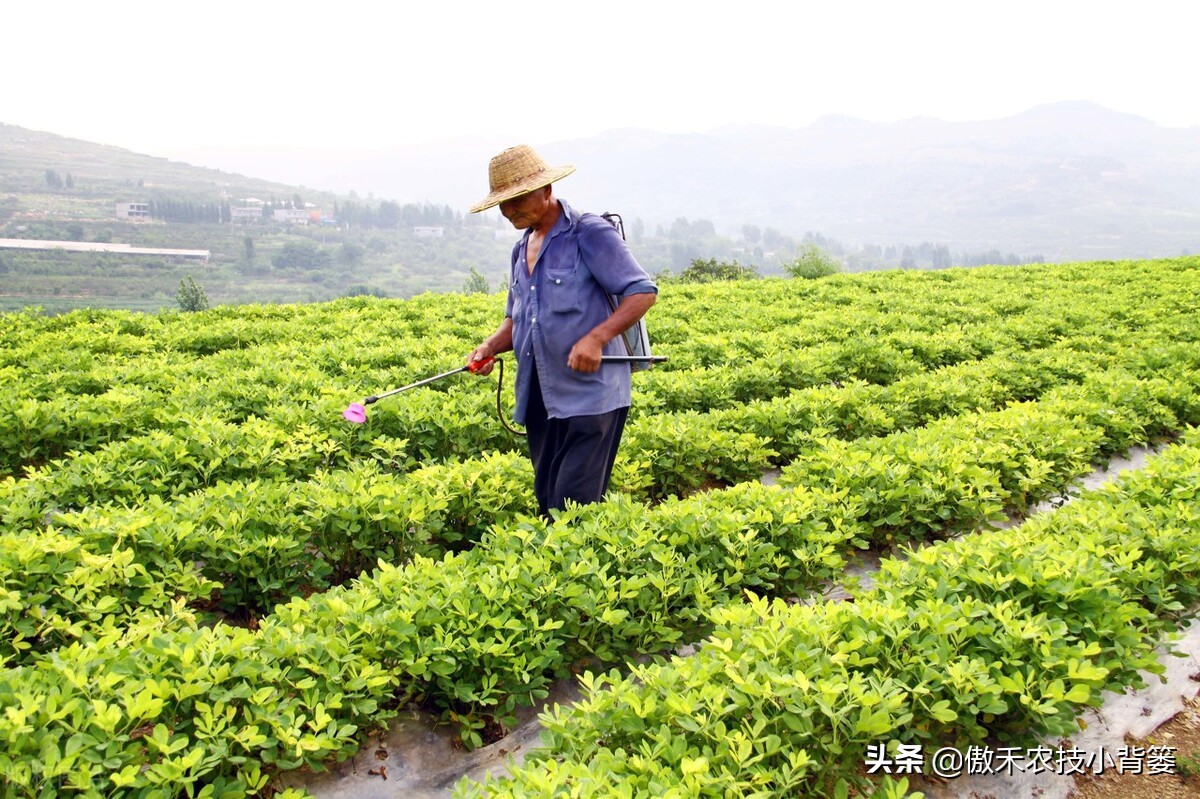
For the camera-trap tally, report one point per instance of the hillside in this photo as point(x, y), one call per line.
point(60, 189)
point(1066, 181)
point(1063, 182)
point(101, 175)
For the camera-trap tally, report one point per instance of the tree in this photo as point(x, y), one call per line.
point(637, 231)
point(363, 290)
point(683, 253)
point(248, 249)
point(351, 254)
point(389, 214)
point(702, 271)
point(940, 257)
point(772, 238)
point(812, 262)
point(752, 234)
point(476, 283)
point(301, 255)
point(191, 295)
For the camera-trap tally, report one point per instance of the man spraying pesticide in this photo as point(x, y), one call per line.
point(574, 320)
point(575, 288)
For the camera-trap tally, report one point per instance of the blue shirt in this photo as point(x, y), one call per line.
point(582, 259)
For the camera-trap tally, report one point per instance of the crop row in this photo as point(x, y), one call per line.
point(257, 537)
point(204, 452)
point(277, 386)
point(114, 338)
point(413, 430)
point(247, 544)
point(476, 634)
point(990, 638)
point(77, 382)
point(238, 548)
point(685, 451)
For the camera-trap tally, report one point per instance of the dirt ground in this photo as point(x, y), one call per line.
point(1183, 734)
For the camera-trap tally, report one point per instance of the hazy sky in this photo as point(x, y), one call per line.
point(163, 76)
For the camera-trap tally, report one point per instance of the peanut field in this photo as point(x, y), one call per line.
point(209, 578)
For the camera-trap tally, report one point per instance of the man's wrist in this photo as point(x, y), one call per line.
point(599, 339)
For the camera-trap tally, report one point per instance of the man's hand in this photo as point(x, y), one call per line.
point(482, 353)
point(493, 345)
point(586, 354)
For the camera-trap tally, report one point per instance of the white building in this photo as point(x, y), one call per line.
point(294, 216)
point(133, 210)
point(245, 215)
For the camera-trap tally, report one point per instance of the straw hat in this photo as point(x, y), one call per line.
point(516, 171)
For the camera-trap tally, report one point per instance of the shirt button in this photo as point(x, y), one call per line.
point(535, 320)
point(558, 280)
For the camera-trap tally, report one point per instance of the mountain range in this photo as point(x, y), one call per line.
point(1064, 181)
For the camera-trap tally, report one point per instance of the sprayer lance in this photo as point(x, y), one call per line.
point(633, 358)
point(475, 366)
point(472, 367)
point(357, 412)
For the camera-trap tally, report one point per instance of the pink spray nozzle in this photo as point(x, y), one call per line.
point(355, 413)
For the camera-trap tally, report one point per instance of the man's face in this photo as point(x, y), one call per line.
point(525, 210)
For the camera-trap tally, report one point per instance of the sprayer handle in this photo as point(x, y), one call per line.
point(475, 367)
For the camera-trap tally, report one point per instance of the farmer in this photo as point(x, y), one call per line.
point(559, 322)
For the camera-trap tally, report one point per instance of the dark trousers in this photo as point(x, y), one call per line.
point(573, 457)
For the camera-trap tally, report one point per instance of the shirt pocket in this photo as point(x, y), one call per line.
point(564, 290)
